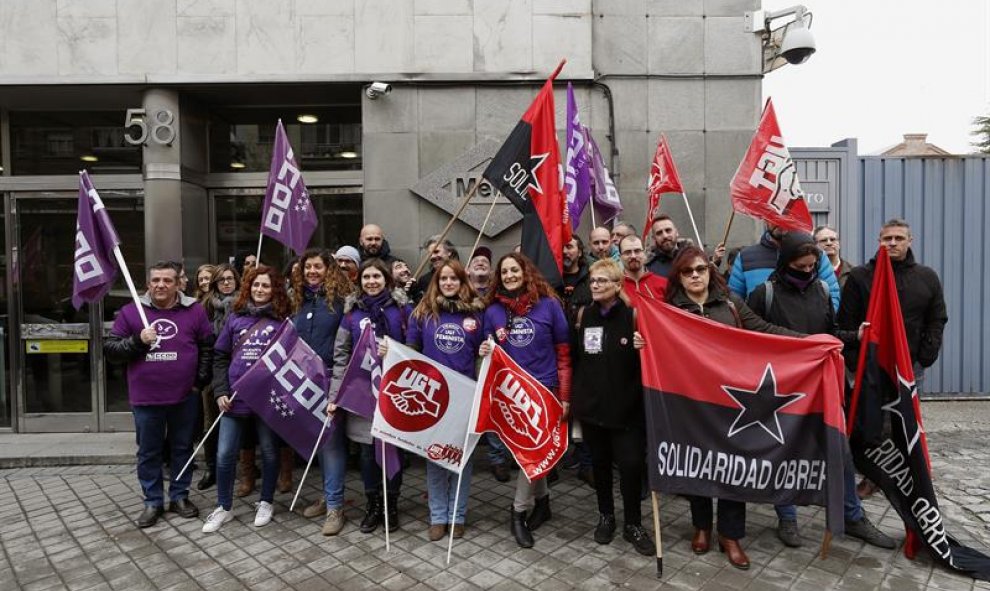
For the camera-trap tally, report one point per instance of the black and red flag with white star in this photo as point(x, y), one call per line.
point(527, 171)
point(758, 423)
point(888, 439)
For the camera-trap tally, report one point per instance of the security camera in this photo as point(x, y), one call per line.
point(790, 43)
point(798, 44)
point(377, 89)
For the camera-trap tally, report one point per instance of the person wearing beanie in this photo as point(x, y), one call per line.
point(348, 259)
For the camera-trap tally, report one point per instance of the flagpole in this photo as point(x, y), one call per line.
point(457, 491)
point(484, 224)
point(205, 437)
point(384, 493)
point(697, 234)
point(130, 284)
point(257, 257)
point(312, 454)
point(593, 224)
point(656, 530)
point(858, 380)
point(446, 230)
point(728, 226)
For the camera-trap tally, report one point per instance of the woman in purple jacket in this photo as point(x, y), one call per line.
point(260, 307)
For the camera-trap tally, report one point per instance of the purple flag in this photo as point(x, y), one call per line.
point(288, 215)
point(577, 176)
point(287, 389)
point(604, 193)
point(359, 392)
point(94, 266)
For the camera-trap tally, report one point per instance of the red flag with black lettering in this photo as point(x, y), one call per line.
point(527, 171)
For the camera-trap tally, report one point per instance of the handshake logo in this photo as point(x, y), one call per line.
point(415, 396)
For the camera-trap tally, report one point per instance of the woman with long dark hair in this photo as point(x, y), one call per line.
point(260, 307)
point(524, 315)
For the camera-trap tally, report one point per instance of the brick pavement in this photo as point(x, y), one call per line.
point(71, 528)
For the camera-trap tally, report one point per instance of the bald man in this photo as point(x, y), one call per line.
point(601, 246)
point(372, 244)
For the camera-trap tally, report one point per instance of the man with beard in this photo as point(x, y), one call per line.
point(667, 243)
point(576, 291)
point(639, 282)
point(372, 244)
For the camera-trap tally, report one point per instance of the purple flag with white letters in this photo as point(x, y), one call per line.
point(288, 215)
point(577, 176)
point(605, 196)
point(93, 265)
point(358, 392)
point(287, 388)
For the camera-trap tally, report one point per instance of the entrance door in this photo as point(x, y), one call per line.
point(61, 380)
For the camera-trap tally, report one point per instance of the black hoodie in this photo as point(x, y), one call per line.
point(385, 253)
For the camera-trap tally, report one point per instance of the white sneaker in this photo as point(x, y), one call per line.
point(216, 519)
point(264, 514)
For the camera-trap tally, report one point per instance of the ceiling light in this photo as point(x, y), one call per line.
point(307, 118)
point(89, 158)
point(238, 165)
point(347, 154)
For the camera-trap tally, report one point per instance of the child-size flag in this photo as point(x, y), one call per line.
point(94, 267)
point(523, 412)
point(527, 171)
point(663, 179)
point(287, 389)
point(288, 215)
point(604, 195)
point(577, 173)
point(888, 439)
point(424, 407)
point(766, 184)
point(759, 424)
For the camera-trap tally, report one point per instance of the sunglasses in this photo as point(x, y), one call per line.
point(700, 270)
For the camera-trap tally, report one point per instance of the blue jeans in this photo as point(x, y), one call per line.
point(440, 485)
point(497, 452)
point(232, 430)
point(371, 474)
point(333, 464)
point(151, 423)
point(852, 508)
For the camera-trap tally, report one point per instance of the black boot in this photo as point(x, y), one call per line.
point(541, 513)
point(372, 514)
point(393, 513)
point(520, 531)
point(209, 478)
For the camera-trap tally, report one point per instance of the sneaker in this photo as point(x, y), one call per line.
point(866, 531)
point(334, 522)
point(263, 516)
point(317, 509)
point(606, 529)
point(219, 517)
point(787, 531)
point(637, 536)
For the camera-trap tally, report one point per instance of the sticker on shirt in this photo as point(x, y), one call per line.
point(594, 336)
point(500, 334)
point(470, 324)
point(522, 332)
point(449, 337)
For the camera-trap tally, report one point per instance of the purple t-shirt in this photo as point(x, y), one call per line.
point(251, 346)
point(167, 373)
point(452, 339)
point(532, 339)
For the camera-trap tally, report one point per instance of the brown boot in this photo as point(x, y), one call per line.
point(701, 543)
point(245, 470)
point(286, 463)
point(734, 552)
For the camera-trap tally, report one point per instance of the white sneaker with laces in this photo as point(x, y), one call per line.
point(264, 514)
point(217, 518)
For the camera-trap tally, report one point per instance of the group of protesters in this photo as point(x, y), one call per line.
point(580, 340)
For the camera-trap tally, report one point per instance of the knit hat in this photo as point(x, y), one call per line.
point(348, 252)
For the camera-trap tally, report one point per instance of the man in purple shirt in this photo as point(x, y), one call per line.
point(167, 364)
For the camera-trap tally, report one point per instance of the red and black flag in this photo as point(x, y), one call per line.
point(527, 171)
point(761, 423)
point(888, 439)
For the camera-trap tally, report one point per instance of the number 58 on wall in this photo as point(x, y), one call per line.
point(160, 128)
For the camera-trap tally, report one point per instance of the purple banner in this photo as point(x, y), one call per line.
point(288, 215)
point(358, 392)
point(93, 265)
point(577, 176)
point(287, 389)
point(604, 195)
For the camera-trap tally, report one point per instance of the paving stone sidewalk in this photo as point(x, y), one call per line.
point(72, 528)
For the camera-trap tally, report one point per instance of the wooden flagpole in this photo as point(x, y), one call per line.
point(656, 531)
point(484, 224)
point(728, 226)
point(450, 224)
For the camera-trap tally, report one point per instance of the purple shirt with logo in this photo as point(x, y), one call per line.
point(452, 339)
point(532, 339)
point(250, 348)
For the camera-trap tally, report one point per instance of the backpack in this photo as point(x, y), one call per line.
point(768, 294)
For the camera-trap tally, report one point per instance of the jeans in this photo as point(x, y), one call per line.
point(497, 452)
point(151, 423)
point(371, 474)
point(333, 463)
point(232, 431)
point(441, 486)
point(852, 508)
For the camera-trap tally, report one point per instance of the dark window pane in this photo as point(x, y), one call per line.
point(62, 142)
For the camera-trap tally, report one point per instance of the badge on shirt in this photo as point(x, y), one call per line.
point(594, 336)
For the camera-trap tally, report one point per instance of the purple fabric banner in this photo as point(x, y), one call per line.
point(577, 176)
point(94, 266)
point(288, 215)
point(358, 392)
point(605, 196)
point(287, 389)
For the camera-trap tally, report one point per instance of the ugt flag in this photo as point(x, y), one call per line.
point(604, 195)
point(888, 441)
point(766, 184)
point(288, 215)
point(93, 266)
point(424, 407)
point(663, 179)
point(527, 171)
point(525, 414)
point(287, 389)
point(759, 424)
point(577, 173)
point(358, 392)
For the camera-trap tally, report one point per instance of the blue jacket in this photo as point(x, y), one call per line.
point(755, 263)
point(317, 323)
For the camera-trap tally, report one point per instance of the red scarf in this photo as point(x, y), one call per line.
point(518, 304)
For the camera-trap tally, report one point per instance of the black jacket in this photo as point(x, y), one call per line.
point(659, 263)
point(730, 309)
point(922, 306)
point(607, 388)
point(385, 254)
point(576, 292)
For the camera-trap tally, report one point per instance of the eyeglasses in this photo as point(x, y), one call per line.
point(699, 269)
point(226, 280)
point(600, 281)
point(633, 252)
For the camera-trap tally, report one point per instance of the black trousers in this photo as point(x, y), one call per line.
point(731, 516)
point(627, 448)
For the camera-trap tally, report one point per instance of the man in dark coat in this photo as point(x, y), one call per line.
point(667, 243)
point(372, 244)
point(576, 291)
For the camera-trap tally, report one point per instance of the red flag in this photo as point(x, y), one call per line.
point(663, 179)
point(525, 414)
point(766, 184)
point(527, 171)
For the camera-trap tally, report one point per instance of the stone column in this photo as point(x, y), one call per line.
point(162, 187)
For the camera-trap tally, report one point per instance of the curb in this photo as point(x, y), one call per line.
point(55, 461)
